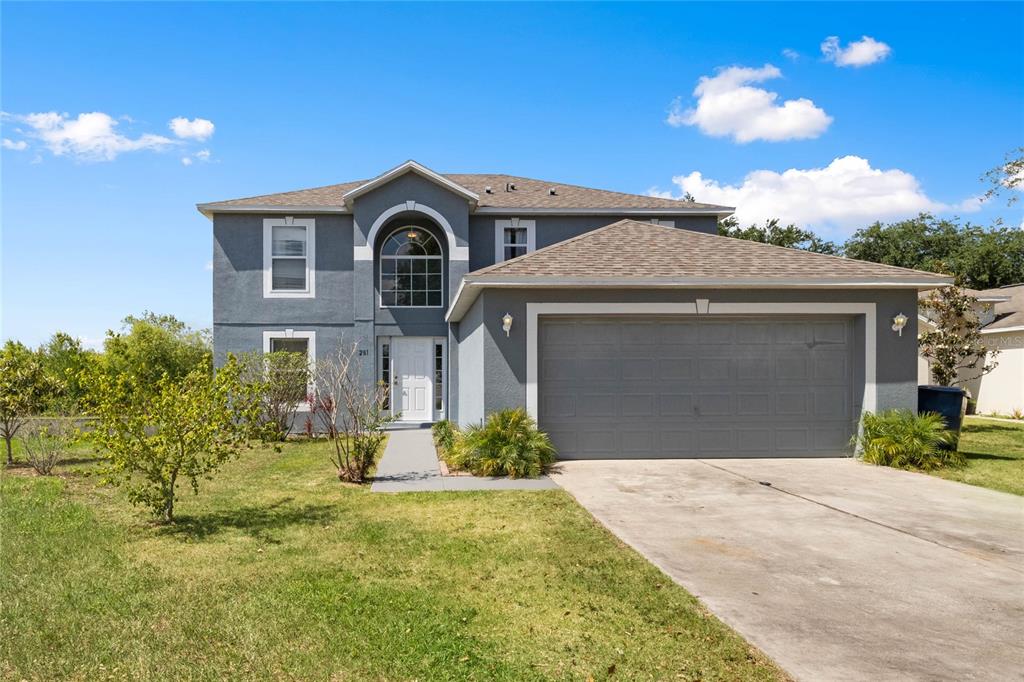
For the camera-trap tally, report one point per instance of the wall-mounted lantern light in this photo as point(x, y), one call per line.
point(898, 323)
point(506, 323)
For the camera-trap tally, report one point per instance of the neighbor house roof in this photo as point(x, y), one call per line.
point(1010, 311)
point(487, 192)
point(630, 253)
point(1007, 305)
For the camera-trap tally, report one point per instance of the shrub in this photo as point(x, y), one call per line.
point(905, 440)
point(282, 380)
point(445, 434)
point(45, 446)
point(507, 444)
point(350, 412)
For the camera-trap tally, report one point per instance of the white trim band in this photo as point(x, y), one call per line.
point(455, 252)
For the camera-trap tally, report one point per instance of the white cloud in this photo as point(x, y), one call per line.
point(727, 105)
point(197, 129)
point(89, 137)
point(208, 266)
point(18, 146)
point(202, 155)
point(846, 194)
point(859, 53)
point(790, 54)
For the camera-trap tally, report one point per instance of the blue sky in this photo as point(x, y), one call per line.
point(99, 219)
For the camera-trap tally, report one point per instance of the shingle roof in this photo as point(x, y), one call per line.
point(633, 250)
point(528, 193)
point(1009, 313)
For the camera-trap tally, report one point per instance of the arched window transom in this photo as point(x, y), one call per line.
point(410, 269)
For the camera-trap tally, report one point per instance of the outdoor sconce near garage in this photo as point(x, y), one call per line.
point(898, 323)
point(506, 323)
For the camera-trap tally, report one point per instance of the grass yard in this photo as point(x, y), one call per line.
point(278, 571)
point(995, 455)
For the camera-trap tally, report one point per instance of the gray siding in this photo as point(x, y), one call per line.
point(551, 229)
point(504, 362)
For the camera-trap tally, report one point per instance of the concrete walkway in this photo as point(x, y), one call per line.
point(409, 465)
point(836, 569)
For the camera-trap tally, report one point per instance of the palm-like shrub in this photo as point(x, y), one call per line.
point(905, 440)
point(444, 433)
point(507, 444)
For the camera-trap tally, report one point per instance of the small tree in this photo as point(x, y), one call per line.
point(284, 378)
point(350, 412)
point(177, 429)
point(24, 387)
point(45, 446)
point(150, 346)
point(64, 360)
point(955, 343)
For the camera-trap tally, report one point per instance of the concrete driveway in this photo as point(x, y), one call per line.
point(838, 570)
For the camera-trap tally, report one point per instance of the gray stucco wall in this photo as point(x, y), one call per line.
point(503, 365)
point(471, 336)
point(241, 313)
point(551, 229)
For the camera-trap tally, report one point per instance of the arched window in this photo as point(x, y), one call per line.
point(410, 269)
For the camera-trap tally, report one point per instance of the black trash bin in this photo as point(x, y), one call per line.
point(947, 401)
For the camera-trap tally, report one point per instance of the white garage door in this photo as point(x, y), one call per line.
point(644, 387)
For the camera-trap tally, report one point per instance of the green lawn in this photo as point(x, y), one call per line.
point(995, 455)
point(278, 571)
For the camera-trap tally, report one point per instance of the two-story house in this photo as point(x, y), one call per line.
point(622, 322)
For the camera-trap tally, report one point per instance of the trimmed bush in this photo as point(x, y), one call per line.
point(905, 440)
point(507, 444)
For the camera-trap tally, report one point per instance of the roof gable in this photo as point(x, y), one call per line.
point(409, 166)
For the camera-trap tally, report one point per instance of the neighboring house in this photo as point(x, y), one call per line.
point(622, 322)
point(1001, 314)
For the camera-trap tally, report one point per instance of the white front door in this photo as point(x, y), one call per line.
point(413, 385)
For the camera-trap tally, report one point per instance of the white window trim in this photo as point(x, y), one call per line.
point(268, 275)
point(310, 349)
point(499, 236)
point(380, 271)
point(535, 310)
point(663, 223)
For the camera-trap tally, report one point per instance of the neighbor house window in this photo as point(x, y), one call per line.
point(410, 270)
point(288, 257)
point(292, 341)
point(513, 238)
point(438, 376)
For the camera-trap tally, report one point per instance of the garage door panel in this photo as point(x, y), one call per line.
point(641, 387)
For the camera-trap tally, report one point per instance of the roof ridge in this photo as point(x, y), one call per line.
point(584, 187)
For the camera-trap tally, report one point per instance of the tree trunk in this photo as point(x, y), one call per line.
point(10, 452)
point(169, 499)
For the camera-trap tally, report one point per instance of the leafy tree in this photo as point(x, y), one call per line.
point(24, 388)
point(64, 360)
point(981, 258)
point(1007, 176)
point(955, 344)
point(284, 378)
point(350, 412)
point(150, 346)
point(184, 428)
point(775, 234)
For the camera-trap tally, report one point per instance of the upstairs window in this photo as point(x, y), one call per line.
point(513, 238)
point(288, 258)
point(410, 270)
